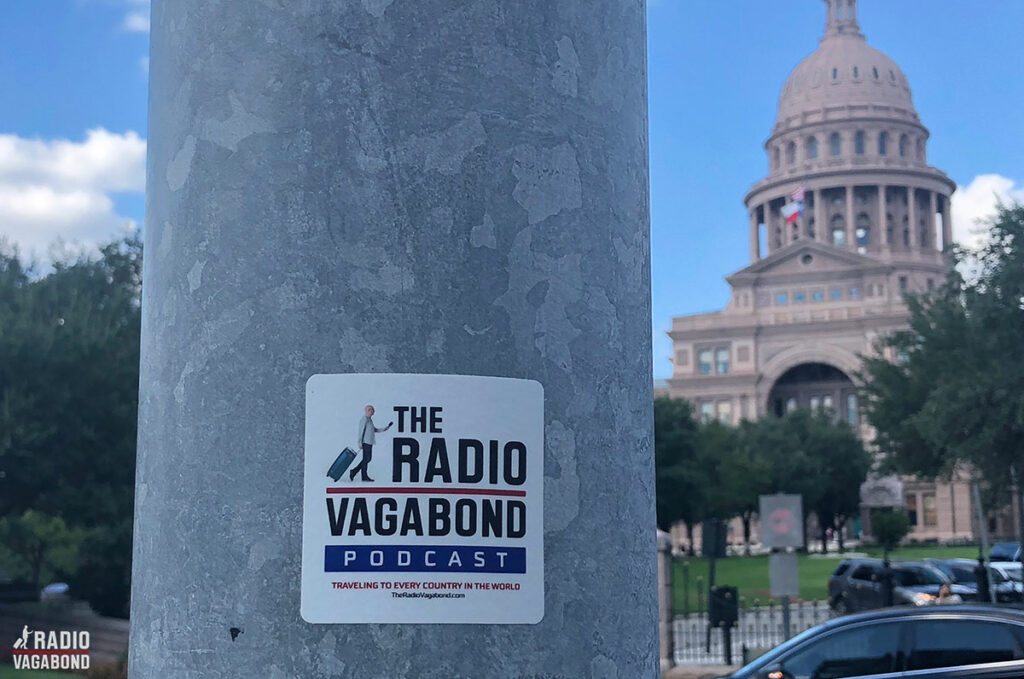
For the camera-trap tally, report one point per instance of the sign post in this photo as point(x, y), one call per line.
point(781, 530)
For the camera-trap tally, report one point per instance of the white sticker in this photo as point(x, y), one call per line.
point(423, 500)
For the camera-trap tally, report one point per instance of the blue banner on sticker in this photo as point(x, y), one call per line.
point(423, 559)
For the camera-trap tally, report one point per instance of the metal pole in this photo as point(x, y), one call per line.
point(438, 187)
point(686, 588)
point(983, 532)
point(786, 626)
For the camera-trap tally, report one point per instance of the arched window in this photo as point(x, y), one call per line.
point(858, 143)
point(812, 148)
point(834, 143)
point(835, 73)
point(883, 143)
point(856, 72)
point(810, 228)
point(904, 145)
point(838, 227)
point(791, 153)
point(874, 71)
point(863, 231)
point(920, 148)
point(776, 158)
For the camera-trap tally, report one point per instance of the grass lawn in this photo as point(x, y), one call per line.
point(750, 574)
point(8, 672)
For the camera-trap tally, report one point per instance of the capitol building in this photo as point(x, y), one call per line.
point(825, 281)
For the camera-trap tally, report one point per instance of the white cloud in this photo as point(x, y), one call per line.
point(52, 189)
point(137, 22)
point(977, 202)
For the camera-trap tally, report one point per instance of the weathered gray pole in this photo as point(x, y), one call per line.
point(390, 186)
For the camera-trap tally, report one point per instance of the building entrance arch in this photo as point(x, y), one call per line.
point(815, 386)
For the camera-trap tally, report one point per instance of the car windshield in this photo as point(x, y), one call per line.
point(917, 577)
point(752, 669)
point(1014, 574)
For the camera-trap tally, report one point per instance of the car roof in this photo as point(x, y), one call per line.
point(991, 612)
point(961, 610)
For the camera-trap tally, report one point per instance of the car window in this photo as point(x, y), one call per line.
point(840, 569)
point(868, 649)
point(862, 573)
point(948, 643)
point(963, 574)
point(917, 577)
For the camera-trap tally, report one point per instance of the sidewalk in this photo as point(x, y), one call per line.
point(698, 671)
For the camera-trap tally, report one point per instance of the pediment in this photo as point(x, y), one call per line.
point(807, 258)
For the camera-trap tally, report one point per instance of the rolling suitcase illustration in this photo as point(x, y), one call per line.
point(341, 464)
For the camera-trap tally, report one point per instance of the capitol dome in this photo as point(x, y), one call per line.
point(847, 158)
point(844, 75)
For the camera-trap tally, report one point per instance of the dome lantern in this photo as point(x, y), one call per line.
point(842, 18)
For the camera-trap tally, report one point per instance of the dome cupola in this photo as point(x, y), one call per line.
point(844, 77)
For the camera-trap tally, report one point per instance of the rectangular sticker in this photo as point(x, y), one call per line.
point(423, 500)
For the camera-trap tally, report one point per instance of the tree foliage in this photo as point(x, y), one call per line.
point(889, 527)
point(69, 357)
point(954, 395)
point(678, 486)
point(42, 545)
point(712, 470)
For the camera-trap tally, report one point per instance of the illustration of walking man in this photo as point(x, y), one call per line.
point(23, 641)
point(366, 440)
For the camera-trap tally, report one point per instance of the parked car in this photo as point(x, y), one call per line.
point(962, 572)
point(856, 585)
point(1005, 551)
point(1011, 570)
point(928, 642)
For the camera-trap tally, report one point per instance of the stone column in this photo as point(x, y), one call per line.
point(932, 211)
point(912, 217)
point(851, 236)
point(769, 229)
point(883, 232)
point(821, 228)
point(947, 222)
point(755, 236)
point(441, 187)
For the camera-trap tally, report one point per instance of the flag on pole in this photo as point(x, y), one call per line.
point(795, 210)
point(792, 211)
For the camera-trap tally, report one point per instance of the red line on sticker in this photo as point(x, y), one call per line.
point(427, 491)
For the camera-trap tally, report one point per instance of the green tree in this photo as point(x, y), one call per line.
point(889, 528)
point(808, 454)
point(679, 480)
point(953, 393)
point(41, 545)
point(69, 358)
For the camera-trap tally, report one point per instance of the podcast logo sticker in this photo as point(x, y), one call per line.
point(423, 500)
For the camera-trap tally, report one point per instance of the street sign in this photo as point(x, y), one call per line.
point(782, 574)
point(782, 523)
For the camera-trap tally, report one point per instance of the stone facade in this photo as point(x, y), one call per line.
point(822, 288)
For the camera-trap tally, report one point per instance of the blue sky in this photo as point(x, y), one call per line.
point(73, 119)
